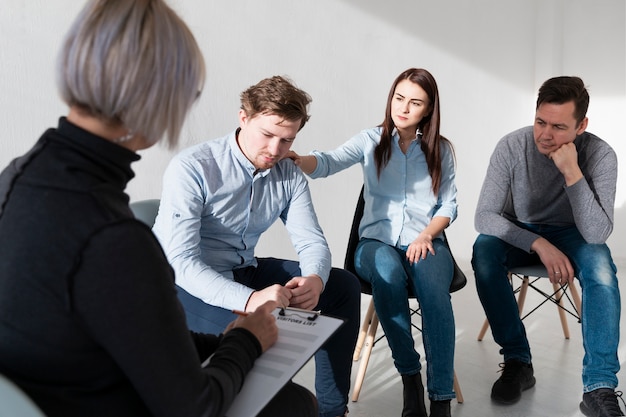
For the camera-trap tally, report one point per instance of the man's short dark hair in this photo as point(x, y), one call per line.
point(560, 90)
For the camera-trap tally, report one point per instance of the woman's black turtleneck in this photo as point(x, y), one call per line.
point(90, 324)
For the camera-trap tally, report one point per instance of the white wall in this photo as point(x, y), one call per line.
point(489, 58)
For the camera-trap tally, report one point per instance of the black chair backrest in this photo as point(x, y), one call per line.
point(458, 280)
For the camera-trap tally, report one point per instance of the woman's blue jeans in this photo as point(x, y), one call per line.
point(600, 313)
point(393, 279)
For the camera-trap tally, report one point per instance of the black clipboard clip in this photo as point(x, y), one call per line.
point(310, 315)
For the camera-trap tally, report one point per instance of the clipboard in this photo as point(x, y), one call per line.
point(300, 334)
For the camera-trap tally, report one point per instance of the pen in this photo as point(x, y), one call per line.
point(241, 313)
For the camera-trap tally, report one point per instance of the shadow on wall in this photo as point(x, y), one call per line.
point(483, 32)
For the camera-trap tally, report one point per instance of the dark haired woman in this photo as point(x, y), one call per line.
point(410, 198)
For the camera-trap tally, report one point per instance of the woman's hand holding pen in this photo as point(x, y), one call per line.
point(261, 323)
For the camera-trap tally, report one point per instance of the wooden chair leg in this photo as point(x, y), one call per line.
point(576, 298)
point(521, 297)
point(560, 293)
point(457, 390)
point(367, 321)
point(365, 357)
point(483, 330)
point(363, 349)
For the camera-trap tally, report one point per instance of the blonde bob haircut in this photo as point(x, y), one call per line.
point(132, 63)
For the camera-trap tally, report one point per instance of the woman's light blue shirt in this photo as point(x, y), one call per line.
point(400, 204)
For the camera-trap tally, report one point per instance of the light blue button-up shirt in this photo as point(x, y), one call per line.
point(214, 209)
point(400, 204)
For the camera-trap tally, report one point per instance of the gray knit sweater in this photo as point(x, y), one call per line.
point(524, 185)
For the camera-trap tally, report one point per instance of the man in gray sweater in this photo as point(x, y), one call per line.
point(548, 198)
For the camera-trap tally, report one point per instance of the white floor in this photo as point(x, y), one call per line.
point(556, 360)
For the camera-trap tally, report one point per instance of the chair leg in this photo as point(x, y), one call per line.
point(364, 346)
point(367, 321)
point(576, 298)
point(560, 293)
point(457, 390)
point(521, 298)
point(369, 344)
point(483, 330)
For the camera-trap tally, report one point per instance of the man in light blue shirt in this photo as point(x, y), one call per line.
point(220, 196)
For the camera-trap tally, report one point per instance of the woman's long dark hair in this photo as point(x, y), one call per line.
point(429, 126)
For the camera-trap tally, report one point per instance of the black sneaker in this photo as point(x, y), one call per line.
point(601, 403)
point(516, 377)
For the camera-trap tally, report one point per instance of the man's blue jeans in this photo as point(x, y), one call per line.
point(341, 298)
point(391, 276)
point(600, 313)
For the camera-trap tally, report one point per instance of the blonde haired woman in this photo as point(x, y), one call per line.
point(90, 323)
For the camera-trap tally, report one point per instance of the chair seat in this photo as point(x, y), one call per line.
point(530, 271)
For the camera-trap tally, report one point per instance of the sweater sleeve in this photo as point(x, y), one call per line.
point(592, 198)
point(205, 344)
point(491, 217)
point(124, 293)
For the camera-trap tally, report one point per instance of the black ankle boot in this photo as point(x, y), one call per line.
point(413, 396)
point(440, 408)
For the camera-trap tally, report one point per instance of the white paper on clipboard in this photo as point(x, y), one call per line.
point(300, 334)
